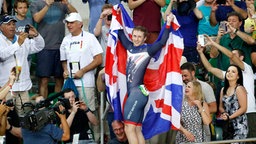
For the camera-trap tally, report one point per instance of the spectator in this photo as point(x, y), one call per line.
point(118, 128)
point(233, 102)
point(249, 23)
point(80, 54)
point(204, 26)
point(14, 50)
point(102, 31)
point(188, 75)
point(95, 7)
point(188, 71)
point(219, 12)
point(49, 16)
point(151, 21)
point(236, 57)
point(133, 114)
point(188, 17)
point(194, 114)
point(101, 86)
point(49, 133)
point(232, 40)
point(3, 116)
point(21, 8)
point(78, 117)
point(3, 7)
point(6, 88)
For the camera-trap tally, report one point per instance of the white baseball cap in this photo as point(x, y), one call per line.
point(73, 17)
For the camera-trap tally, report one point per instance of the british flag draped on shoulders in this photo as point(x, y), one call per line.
point(162, 78)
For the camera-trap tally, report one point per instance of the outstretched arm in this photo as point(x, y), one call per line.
point(122, 37)
point(215, 71)
point(227, 52)
point(158, 45)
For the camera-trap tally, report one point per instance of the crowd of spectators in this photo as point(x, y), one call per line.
point(226, 59)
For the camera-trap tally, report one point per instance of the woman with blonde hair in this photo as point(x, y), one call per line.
point(194, 114)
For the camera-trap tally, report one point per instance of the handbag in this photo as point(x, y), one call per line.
point(227, 128)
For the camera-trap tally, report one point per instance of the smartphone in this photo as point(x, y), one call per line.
point(221, 2)
point(201, 40)
point(223, 26)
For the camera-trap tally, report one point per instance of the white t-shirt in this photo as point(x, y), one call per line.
point(79, 52)
point(248, 83)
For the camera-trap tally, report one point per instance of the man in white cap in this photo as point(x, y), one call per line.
point(81, 54)
point(14, 50)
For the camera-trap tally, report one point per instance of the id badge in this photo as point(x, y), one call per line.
point(74, 67)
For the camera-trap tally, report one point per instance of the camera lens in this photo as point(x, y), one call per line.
point(109, 18)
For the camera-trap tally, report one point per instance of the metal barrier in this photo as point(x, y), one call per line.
point(103, 114)
point(230, 141)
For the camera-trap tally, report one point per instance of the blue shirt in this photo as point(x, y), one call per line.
point(50, 134)
point(204, 26)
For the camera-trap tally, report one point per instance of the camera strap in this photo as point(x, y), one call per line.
point(84, 95)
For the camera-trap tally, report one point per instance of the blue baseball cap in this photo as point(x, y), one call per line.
point(6, 19)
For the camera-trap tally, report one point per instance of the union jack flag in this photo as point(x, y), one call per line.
point(162, 78)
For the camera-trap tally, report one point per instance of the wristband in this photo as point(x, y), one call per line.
point(88, 110)
point(10, 86)
point(36, 35)
point(9, 129)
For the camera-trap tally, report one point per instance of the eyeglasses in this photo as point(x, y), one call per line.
point(118, 129)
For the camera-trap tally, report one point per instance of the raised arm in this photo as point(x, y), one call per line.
point(213, 20)
point(123, 39)
point(40, 14)
point(98, 27)
point(227, 52)
point(64, 125)
point(237, 9)
point(215, 71)
point(158, 45)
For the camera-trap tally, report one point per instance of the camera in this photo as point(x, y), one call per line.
point(8, 103)
point(27, 27)
point(220, 2)
point(109, 18)
point(43, 112)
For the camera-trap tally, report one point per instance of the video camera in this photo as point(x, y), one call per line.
point(43, 112)
point(8, 103)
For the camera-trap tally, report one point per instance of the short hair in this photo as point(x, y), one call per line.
point(67, 90)
point(117, 121)
point(188, 66)
point(240, 52)
point(142, 29)
point(20, 1)
point(234, 14)
point(106, 6)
